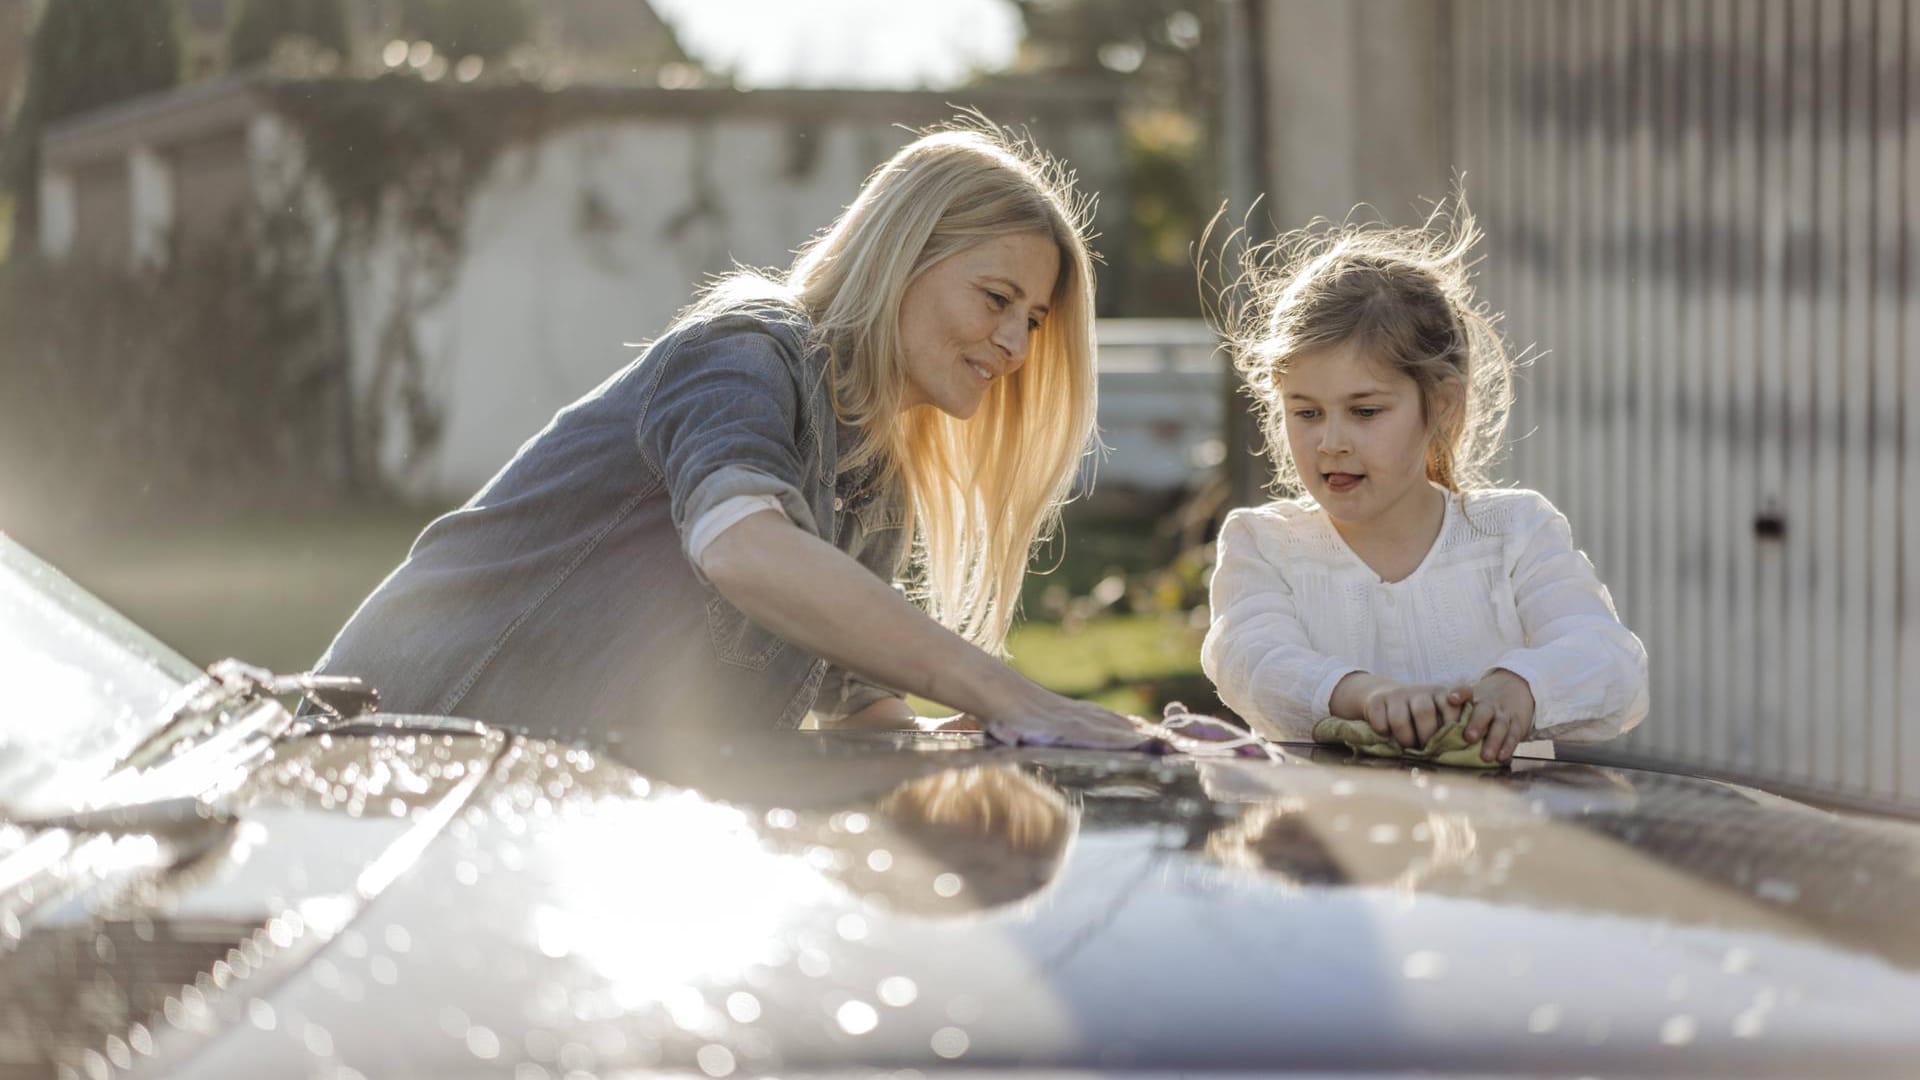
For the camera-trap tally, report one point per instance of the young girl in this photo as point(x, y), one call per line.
point(1401, 586)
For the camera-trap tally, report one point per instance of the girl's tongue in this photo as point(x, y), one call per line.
point(1343, 482)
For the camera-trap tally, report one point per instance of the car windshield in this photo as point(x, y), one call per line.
point(82, 684)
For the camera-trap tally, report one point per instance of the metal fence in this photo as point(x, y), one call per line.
point(1706, 211)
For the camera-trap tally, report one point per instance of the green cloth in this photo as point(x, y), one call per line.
point(1449, 745)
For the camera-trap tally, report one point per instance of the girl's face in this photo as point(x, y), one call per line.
point(970, 318)
point(1358, 435)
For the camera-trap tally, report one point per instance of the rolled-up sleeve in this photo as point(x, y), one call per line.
point(722, 422)
point(1256, 651)
point(1587, 671)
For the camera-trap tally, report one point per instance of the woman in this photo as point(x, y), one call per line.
point(708, 538)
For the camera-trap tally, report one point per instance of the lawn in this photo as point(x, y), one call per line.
point(273, 592)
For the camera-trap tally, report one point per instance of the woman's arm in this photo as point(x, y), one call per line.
point(810, 593)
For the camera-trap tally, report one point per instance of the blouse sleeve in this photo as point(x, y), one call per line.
point(1588, 673)
point(1256, 650)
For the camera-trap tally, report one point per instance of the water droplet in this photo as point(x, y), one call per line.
point(528, 1070)
point(1753, 1020)
point(857, 1018)
point(948, 884)
point(1425, 964)
point(1342, 787)
point(813, 963)
point(319, 1042)
point(950, 1042)
point(715, 1060)
point(782, 819)
point(1738, 961)
point(117, 1052)
point(454, 1022)
point(383, 970)
point(898, 991)
point(140, 1039)
point(398, 939)
point(1543, 1019)
point(743, 1007)
point(483, 1043)
point(1678, 1030)
point(851, 927)
point(855, 823)
point(466, 873)
point(261, 1014)
point(1384, 834)
point(688, 1007)
point(880, 860)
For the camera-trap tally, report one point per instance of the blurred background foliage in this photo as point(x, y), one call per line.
point(140, 399)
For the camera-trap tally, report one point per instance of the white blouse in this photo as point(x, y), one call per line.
point(1295, 611)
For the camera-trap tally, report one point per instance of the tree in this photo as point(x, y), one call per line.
point(484, 28)
point(262, 23)
point(1163, 55)
point(84, 54)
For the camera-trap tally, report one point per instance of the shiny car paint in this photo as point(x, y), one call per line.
point(428, 900)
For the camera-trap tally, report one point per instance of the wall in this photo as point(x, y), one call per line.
point(1702, 215)
point(590, 235)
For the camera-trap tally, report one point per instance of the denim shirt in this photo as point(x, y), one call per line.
point(560, 599)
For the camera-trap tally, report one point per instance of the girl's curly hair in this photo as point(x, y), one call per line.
point(1402, 295)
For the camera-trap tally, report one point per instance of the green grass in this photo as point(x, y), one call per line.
point(271, 592)
point(1118, 661)
point(274, 591)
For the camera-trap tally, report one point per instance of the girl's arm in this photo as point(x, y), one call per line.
point(814, 595)
point(1588, 673)
point(1256, 650)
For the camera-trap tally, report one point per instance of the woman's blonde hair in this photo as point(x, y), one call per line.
point(1402, 295)
point(981, 493)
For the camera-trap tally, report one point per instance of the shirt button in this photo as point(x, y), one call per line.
point(839, 503)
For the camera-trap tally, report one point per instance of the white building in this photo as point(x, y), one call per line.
point(599, 214)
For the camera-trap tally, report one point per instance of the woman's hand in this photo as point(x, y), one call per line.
point(816, 596)
point(1047, 719)
point(1502, 713)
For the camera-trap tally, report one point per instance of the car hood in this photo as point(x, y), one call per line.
point(818, 903)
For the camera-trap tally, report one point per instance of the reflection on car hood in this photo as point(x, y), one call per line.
point(81, 684)
point(818, 903)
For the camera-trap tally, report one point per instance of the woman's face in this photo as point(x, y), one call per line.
point(970, 319)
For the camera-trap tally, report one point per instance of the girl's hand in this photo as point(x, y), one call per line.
point(1502, 713)
point(1409, 714)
